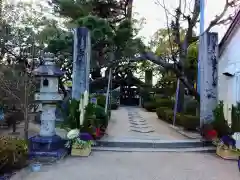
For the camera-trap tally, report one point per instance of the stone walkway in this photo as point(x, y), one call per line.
point(137, 123)
point(138, 166)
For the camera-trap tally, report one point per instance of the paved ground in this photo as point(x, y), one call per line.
point(126, 120)
point(138, 166)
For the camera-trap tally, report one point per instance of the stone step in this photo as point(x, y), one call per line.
point(121, 149)
point(58, 154)
point(152, 143)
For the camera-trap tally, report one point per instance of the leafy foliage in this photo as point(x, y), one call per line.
point(219, 123)
point(235, 126)
point(13, 154)
point(110, 31)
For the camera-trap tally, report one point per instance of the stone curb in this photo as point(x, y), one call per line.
point(180, 131)
point(182, 150)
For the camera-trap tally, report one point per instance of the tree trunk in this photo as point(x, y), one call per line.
point(26, 121)
point(180, 104)
point(129, 9)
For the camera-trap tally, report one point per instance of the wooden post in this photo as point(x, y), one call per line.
point(208, 75)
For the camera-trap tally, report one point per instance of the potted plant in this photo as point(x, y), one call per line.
point(78, 147)
point(226, 148)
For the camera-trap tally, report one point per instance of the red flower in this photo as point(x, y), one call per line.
point(98, 132)
point(211, 134)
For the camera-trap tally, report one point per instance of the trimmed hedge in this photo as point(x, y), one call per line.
point(191, 107)
point(151, 106)
point(165, 103)
point(188, 122)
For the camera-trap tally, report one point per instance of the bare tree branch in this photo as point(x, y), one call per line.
point(218, 19)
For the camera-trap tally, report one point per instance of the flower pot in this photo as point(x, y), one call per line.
point(227, 154)
point(84, 152)
point(36, 167)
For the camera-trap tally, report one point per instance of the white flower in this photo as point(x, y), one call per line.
point(74, 133)
point(236, 136)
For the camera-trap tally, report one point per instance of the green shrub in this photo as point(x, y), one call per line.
point(219, 123)
point(189, 122)
point(13, 154)
point(191, 107)
point(165, 114)
point(150, 106)
point(235, 126)
point(168, 115)
point(71, 114)
point(161, 112)
point(101, 100)
point(101, 116)
point(165, 103)
point(114, 106)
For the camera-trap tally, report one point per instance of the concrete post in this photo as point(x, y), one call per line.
point(81, 62)
point(208, 75)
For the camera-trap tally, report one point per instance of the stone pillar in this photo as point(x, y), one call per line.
point(81, 62)
point(48, 118)
point(208, 76)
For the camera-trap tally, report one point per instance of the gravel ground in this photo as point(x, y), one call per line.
point(138, 166)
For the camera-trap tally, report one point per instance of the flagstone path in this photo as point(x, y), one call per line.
point(133, 122)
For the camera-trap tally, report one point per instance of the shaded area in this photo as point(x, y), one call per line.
point(129, 88)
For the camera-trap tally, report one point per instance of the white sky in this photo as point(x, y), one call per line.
point(155, 15)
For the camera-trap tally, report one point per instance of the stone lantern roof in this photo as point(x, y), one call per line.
point(49, 67)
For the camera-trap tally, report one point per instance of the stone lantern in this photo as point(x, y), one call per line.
point(47, 143)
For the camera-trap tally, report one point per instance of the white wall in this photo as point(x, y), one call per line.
point(227, 86)
point(52, 84)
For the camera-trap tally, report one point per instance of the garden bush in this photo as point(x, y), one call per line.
point(114, 103)
point(169, 115)
point(191, 107)
point(114, 106)
point(235, 126)
point(189, 122)
point(219, 123)
point(165, 114)
point(161, 112)
point(101, 116)
point(150, 106)
point(164, 102)
point(101, 100)
point(13, 154)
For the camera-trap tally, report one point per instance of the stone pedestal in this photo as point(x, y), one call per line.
point(52, 146)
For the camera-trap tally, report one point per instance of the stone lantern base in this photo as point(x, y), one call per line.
point(42, 147)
